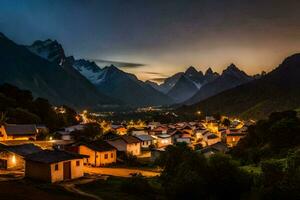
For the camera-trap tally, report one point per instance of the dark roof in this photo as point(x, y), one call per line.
point(53, 156)
point(98, 146)
point(177, 132)
point(130, 139)
point(187, 127)
point(144, 137)
point(212, 136)
point(220, 146)
point(21, 129)
point(23, 149)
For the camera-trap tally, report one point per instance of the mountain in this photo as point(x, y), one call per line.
point(183, 89)
point(230, 78)
point(49, 79)
point(196, 77)
point(183, 85)
point(153, 84)
point(169, 83)
point(121, 85)
point(276, 91)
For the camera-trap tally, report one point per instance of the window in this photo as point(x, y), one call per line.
point(106, 156)
point(77, 163)
point(56, 167)
point(112, 155)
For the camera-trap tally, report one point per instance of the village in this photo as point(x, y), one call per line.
point(64, 156)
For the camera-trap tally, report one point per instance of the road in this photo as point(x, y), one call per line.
point(122, 172)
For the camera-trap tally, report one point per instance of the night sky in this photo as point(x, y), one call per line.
point(162, 37)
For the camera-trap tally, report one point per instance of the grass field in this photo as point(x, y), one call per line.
point(29, 190)
point(112, 189)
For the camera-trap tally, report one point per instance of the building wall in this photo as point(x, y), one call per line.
point(186, 140)
point(77, 171)
point(58, 175)
point(134, 149)
point(106, 157)
point(100, 156)
point(33, 137)
point(13, 160)
point(146, 144)
point(47, 172)
point(38, 171)
point(3, 135)
point(162, 142)
point(233, 140)
point(118, 144)
point(139, 132)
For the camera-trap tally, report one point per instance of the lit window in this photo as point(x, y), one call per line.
point(56, 167)
point(77, 163)
point(112, 155)
point(106, 156)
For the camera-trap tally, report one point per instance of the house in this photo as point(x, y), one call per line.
point(126, 143)
point(187, 129)
point(120, 129)
point(100, 152)
point(159, 130)
point(64, 135)
point(184, 138)
point(175, 135)
point(211, 138)
point(234, 137)
point(139, 131)
point(18, 132)
point(153, 125)
point(213, 149)
point(146, 140)
point(163, 140)
point(54, 166)
point(12, 157)
point(78, 127)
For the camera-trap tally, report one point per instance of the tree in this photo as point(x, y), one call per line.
point(90, 132)
point(226, 122)
point(188, 175)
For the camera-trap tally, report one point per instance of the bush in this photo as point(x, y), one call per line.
point(137, 184)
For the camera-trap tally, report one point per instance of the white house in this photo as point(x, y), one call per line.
point(146, 140)
point(126, 143)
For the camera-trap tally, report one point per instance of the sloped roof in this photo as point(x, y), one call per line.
point(21, 129)
point(130, 139)
point(212, 136)
point(23, 149)
point(49, 156)
point(99, 146)
point(144, 137)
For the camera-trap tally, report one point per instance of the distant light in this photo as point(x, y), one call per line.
point(50, 138)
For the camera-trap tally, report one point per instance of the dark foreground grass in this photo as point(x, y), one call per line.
point(114, 189)
point(31, 190)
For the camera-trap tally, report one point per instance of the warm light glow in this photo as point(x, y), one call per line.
point(13, 159)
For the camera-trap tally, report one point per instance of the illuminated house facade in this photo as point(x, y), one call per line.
point(54, 166)
point(127, 144)
point(100, 153)
point(18, 132)
point(12, 157)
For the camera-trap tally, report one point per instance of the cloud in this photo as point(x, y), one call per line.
point(154, 73)
point(120, 64)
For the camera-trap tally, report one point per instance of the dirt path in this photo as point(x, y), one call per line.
point(122, 172)
point(71, 186)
